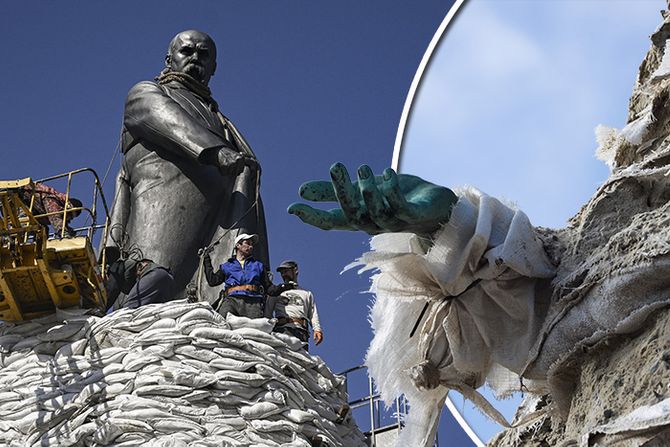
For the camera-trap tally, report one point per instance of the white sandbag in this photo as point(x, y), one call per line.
point(166, 442)
point(237, 354)
point(214, 333)
point(115, 427)
point(261, 324)
point(275, 396)
point(177, 425)
point(62, 331)
point(136, 378)
point(252, 380)
point(299, 416)
point(163, 323)
point(231, 364)
point(203, 355)
point(260, 336)
point(293, 343)
point(189, 379)
point(203, 314)
point(272, 426)
point(163, 390)
point(260, 410)
point(194, 364)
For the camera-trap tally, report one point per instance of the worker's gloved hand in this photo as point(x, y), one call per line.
point(388, 203)
point(318, 337)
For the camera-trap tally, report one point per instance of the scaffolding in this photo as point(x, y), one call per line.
point(379, 423)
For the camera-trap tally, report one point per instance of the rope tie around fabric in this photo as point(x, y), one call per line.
point(425, 375)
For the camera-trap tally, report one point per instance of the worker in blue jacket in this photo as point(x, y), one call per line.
point(246, 280)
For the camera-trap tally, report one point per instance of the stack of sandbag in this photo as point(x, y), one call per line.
point(174, 374)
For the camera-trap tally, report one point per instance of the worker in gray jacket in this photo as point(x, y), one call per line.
point(295, 308)
point(136, 283)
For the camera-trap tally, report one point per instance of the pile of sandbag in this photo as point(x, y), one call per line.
point(174, 374)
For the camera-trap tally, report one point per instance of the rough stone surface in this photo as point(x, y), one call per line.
point(617, 386)
point(615, 378)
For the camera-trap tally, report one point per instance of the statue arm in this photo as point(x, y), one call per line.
point(152, 116)
point(390, 203)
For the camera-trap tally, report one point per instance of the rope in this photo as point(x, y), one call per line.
point(425, 306)
point(189, 82)
point(133, 251)
point(117, 149)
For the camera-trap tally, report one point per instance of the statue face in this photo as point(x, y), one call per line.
point(193, 53)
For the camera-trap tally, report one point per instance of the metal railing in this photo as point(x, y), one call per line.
point(91, 212)
point(370, 411)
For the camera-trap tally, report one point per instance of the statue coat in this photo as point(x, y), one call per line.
point(169, 203)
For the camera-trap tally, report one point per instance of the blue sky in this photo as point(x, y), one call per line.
point(308, 84)
point(511, 98)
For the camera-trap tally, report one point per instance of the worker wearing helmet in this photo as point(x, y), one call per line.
point(295, 308)
point(246, 280)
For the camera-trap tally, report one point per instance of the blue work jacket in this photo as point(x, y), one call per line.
point(233, 274)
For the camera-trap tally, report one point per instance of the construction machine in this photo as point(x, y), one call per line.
point(41, 271)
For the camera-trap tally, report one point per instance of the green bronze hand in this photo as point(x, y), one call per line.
point(389, 203)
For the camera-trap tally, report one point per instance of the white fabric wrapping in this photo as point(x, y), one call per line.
point(487, 258)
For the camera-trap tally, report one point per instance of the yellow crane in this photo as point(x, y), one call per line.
point(39, 271)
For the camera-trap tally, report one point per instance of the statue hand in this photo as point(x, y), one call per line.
point(383, 204)
point(229, 162)
point(252, 163)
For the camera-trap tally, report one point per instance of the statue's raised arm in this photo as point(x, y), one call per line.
point(390, 203)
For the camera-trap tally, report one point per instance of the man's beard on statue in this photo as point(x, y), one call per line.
point(196, 71)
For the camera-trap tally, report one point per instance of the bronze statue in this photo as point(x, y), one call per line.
point(188, 177)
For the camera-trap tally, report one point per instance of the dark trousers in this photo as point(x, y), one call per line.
point(241, 306)
point(156, 286)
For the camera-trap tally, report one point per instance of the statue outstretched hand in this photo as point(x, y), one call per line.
point(390, 203)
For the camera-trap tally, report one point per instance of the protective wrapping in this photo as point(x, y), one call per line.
point(477, 282)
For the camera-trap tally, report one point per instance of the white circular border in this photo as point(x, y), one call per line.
point(417, 80)
point(396, 158)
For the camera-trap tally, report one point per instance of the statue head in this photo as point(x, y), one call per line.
point(194, 53)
